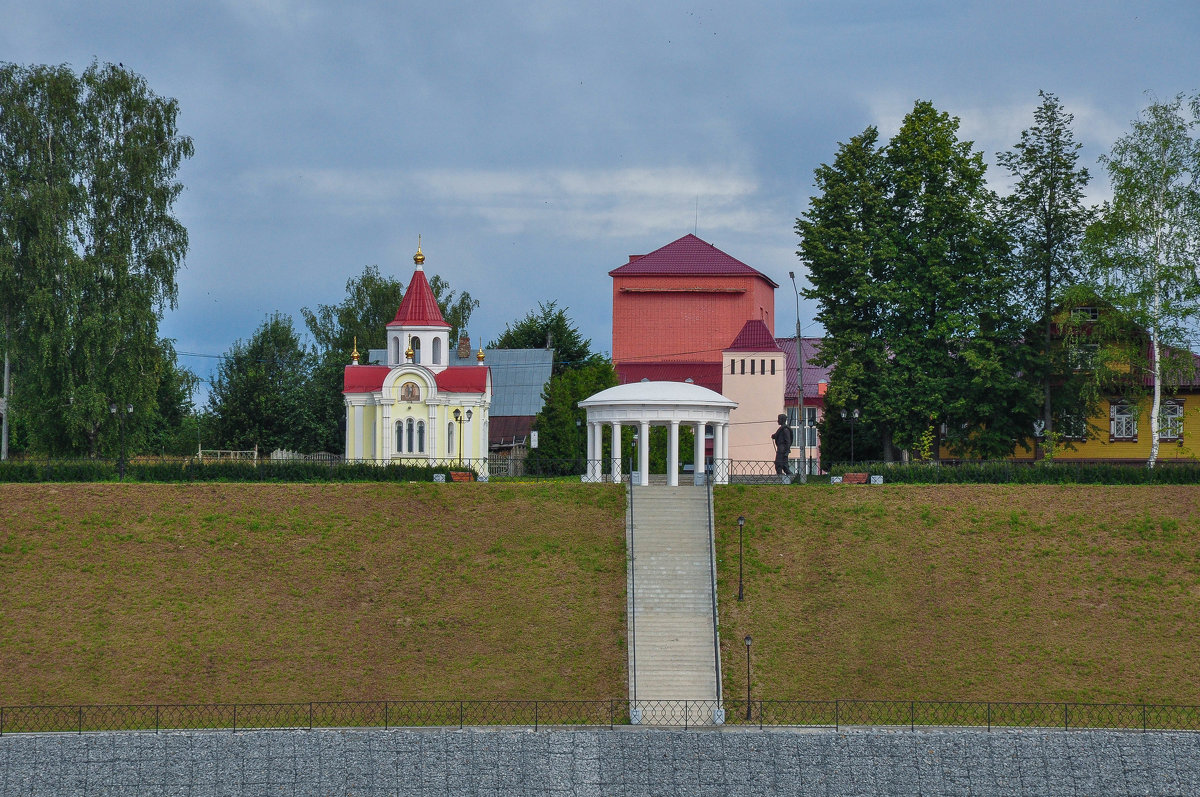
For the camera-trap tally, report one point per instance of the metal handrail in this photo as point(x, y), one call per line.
point(632, 595)
point(712, 564)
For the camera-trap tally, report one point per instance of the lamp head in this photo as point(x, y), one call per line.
point(741, 520)
point(748, 640)
point(458, 415)
point(468, 415)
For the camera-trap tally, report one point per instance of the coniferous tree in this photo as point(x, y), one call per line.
point(1046, 214)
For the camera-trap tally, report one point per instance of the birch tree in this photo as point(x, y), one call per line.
point(1145, 247)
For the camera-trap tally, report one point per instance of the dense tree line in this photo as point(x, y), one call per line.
point(939, 297)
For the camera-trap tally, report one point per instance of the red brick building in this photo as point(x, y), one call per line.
point(678, 308)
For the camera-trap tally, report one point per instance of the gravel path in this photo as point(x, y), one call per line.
point(620, 762)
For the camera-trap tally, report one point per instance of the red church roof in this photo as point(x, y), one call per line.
point(418, 308)
point(463, 379)
point(754, 337)
point(688, 256)
point(364, 378)
point(456, 379)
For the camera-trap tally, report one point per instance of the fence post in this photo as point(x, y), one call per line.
point(385, 715)
point(989, 713)
point(1066, 717)
point(2, 720)
point(912, 715)
point(760, 714)
point(80, 709)
point(1143, 718)
point(156, 720)
point(535, 716)
point(235, 717)
point(836, 716)
point(310, 715)
point(460, 714)
point(685, 708)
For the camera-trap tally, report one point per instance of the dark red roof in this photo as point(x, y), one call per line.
point(418, 308)
point(754, 337)
point(463, 379)
point(364, 378)
point(509, 429)
point(703, 374)
point(813, 374)
point(456, 379)
point(689, 256)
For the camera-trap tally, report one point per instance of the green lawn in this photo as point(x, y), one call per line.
point(1071, 593)
point(256, 593)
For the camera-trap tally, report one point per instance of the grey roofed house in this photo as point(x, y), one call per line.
point(518, 376)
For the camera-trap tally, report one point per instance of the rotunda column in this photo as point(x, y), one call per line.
point(644, 453)
point(616, 452)
point(698, 449)
point(673, 454)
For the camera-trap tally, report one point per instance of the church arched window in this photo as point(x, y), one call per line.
point(421, 436)
point(437, 351)
point(399, 436)
point(450, 439)
point(396, 350)
point(416, 347)
point(410, 435)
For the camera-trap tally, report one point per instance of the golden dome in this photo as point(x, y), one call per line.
point(479, 356)
point(419, 258)
point(408, 353)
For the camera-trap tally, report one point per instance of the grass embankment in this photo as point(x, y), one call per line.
point(259, 593)
point(1007, 593)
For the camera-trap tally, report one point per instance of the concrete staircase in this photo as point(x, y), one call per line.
point(672, 656)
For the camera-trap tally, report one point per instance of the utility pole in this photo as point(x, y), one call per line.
point(803, 421)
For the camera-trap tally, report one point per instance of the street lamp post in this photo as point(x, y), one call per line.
point(458, 417)
point(800, 384)
point(748, 640)
point(741, 525)
point(120, 416)
point(853, 418)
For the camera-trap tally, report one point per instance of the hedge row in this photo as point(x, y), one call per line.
point(186, 471)
point(1025, 473)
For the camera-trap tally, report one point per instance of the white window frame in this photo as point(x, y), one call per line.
point(1170, 420)
point(1122, 422)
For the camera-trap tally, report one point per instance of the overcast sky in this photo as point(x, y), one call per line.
point(535, 145)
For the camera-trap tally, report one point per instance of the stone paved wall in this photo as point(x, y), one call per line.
point(619, 762)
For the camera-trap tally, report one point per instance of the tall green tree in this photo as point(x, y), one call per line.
point(548, 327)
point(845, 240)
point(1145, 247)
point(1047, 217)
point(954, 328)
point(260, 396)
point(89, 245)
point(912, 272)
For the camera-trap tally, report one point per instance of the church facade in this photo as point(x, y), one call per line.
point(417, 408)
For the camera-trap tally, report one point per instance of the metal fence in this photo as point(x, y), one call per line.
point(829, 714)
